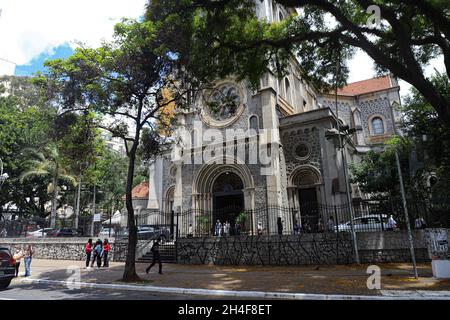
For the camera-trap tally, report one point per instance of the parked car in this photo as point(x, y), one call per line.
point(39, 233)
point(7, 267)
point(105, 232)
point(64, 232)
point(153, 232)
point(368, 223)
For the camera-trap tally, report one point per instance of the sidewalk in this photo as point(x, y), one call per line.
point(332, 280)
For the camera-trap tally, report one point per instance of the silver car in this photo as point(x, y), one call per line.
point(368, 223)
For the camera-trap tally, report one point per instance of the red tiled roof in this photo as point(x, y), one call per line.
point(140, 191)
point(366, 86)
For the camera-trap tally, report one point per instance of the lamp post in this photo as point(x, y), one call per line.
point(343, 131)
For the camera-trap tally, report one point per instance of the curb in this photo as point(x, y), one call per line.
point(236, 294)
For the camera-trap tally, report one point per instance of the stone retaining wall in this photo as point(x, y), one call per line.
point(70, 248)
point(391, 246)
point(304, 249)
point(319, 248)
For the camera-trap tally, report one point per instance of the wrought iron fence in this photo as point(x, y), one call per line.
point(310, 218)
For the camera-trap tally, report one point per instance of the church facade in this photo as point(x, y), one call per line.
point(237, 149)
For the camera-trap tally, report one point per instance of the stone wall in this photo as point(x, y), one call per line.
point(391, 246)
point(70, 248)
point(266, 250)
point(305, 249)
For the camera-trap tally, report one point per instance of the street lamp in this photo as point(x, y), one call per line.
point(343, 131)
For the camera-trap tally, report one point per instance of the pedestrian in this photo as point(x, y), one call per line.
point(391, 224)
point(98, 249)
point(106, 248)
point(238, 229)
point(88, 251)
point(280, 226)
point(18, 255)
point(226, 228)
point(218, 228)
point(330, 224)
point(296, 227)
point(156, 257)
point(191, 231)
point(28, 256)
point(260, 228)
point(420, 223)
point(320, 226)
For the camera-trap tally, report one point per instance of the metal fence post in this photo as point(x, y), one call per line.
point(337, 233)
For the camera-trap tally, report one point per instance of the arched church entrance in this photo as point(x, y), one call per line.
point(222, 192)
point(228, 197)
point(304, 196)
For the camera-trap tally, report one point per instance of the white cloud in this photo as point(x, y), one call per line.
point(30, 27)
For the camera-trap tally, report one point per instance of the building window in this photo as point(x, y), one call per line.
point(287, 86)
point(254, 125)
point(280, 16)
point(377, 126)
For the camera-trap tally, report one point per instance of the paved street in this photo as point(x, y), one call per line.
point(58, 292)
point(324, 280)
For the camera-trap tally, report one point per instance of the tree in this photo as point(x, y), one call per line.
point(22, 126)
point(123, 79)
point(226, 36)
point(48, 164)
point(80, 143)
point(430, 135)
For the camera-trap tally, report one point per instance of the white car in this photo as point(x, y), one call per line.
point(39, 233)
point(105, 232)
point(369, 223)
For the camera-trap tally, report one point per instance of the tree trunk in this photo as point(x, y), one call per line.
point(129, 274)
point(77, 208)
point(54, 199)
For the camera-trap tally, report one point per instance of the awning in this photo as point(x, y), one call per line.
point(115, 219)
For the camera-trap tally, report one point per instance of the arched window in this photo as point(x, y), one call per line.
point(287, 87)
point(280, 16)
point(253, 123)
point(377, 126)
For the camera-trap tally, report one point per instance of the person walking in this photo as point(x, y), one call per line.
point(88, 251)
point(218, 228)
point(99, 252)
point(18, 255)
point(98, 248)
point(296, 227)
point(391, 224)
point(420, 223)
point(156, 257)
point(280, 226)
point(106, 248)
point(330, 224)
point(226, 228)
point(28, 256)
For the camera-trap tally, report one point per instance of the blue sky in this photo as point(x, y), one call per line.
point(37, 63)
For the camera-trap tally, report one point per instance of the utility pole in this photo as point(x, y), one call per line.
point(93, 211)
point(77, 209)
point(404, 202)
point(405, 208)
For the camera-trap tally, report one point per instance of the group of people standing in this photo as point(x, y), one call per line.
point(25, 253)
point(224, 229)
point(98, 251)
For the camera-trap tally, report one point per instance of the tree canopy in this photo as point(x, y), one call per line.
point(226, 36)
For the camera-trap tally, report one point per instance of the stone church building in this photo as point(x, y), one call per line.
point(242, 149)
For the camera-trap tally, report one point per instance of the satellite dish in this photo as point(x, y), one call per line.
point(65, 213)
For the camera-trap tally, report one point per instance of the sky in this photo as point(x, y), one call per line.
point(34, 30)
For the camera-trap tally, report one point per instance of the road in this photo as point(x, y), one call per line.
point(55, 292)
